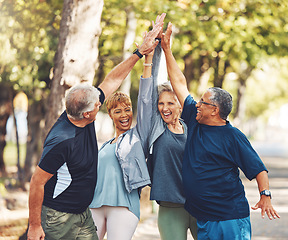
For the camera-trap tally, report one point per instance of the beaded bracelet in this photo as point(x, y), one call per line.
point(148, 64)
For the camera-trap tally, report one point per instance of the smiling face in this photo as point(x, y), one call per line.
point(119, 107)
point(205, 111)
point(169, 107)
point(122, 117)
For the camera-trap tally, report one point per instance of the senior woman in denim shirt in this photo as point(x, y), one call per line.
point(122, 169)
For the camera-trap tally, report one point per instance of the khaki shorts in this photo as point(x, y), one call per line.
point(61, 225)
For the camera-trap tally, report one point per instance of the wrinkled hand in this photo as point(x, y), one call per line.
point(150, 54)
point(149, 42)
point(35, 233)
point(266, 207)
point(165, 38)
point(153, 24)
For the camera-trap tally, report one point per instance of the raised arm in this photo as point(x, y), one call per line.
point(145, 100)
point(265, 201)
point(114, 79)
point(177, 78)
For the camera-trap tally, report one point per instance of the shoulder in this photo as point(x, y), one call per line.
point(105, 143)
point(236, 135)
point(101, 96)
point(182, 122)
point(189, 109)
point(188, 100)
point(236, 132)
point(61, 131)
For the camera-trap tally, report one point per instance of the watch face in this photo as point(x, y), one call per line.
point(266, 193)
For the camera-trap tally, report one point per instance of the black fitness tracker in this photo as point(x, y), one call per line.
point(136, 51)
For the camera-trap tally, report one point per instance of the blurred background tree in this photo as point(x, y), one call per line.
point(29, 31)
point(239, 45)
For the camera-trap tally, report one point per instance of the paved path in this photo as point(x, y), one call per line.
point(278, 177)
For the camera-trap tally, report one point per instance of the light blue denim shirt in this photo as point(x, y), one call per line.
point(158, 125)
point(131, 146)
point(165, 168)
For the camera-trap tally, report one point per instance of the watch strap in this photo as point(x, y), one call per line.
point(136, 51)
point(266, 193)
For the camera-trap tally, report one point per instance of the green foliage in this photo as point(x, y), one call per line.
point(3, 190)
point(217, 37)
point(29, 31)
point(267, 89)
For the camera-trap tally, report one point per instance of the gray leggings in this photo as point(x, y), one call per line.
point(173, 223)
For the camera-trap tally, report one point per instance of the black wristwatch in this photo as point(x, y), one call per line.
point(136, 51)
point(266, 193)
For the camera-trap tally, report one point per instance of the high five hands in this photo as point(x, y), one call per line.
point(149, 42)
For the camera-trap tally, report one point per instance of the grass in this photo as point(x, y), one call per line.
point(10, 154)
point(10, 160)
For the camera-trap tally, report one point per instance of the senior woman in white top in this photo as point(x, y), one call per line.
point(166, 145)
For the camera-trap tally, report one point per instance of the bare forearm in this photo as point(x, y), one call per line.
point(35, 203)
point(265, 201)
point(36, 195)
point(262, 181)
point(177, 78)
point(114, 79)
point(175, 74)
point(147, 66)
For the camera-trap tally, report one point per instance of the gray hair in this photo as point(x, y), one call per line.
point(222, 99)
point(80, 99)
point(166, 87)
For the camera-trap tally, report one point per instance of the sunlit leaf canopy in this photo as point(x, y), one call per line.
point(222, 38)
point(29, 31)
point(238, 38)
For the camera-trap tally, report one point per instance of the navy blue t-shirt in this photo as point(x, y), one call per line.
point(165, 167)
point(212, 156)
point(71, 154)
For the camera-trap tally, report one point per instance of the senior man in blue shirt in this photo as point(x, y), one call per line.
point(214, 152)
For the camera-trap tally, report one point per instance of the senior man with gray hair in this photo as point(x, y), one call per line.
point(62, 186)
point(214, 152)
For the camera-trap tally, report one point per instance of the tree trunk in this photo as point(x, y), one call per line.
point(77, 53)
point(131, 24)
point(34, 140)
point(6, 96)
point(219, 74)
point(239, 114)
